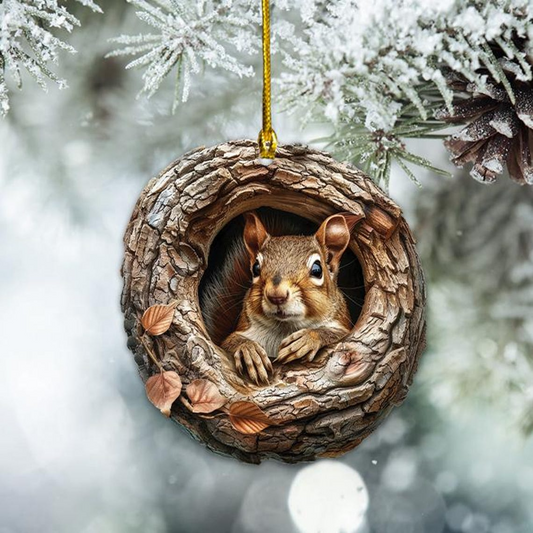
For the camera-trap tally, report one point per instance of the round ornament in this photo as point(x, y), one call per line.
point(307, 409)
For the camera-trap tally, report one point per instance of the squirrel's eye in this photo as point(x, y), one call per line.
point(256, 269)
point(316, 269)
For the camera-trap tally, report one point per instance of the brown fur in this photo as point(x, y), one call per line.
point(223, 294)
point(223, 297)
point(312, 315)
point(286, 256)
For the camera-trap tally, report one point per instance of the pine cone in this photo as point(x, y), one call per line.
point(499, 131)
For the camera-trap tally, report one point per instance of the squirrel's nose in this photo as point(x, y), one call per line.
point(278, 298)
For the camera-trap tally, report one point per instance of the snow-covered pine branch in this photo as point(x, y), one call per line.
point(27, 41)
point(188, 35)
point(378, 69)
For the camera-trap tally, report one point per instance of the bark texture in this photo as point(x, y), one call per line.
point(321, 409)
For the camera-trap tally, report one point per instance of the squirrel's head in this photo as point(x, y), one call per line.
point(295, 277)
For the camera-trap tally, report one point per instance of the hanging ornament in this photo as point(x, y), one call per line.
point(499, 114)
point(193, 280)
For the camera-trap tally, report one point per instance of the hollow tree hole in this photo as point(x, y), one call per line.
point(225, 262)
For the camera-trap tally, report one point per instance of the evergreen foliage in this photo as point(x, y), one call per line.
point(28, 41)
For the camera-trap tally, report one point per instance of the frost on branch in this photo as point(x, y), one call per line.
point(27, 41)
point(382, 65)
point(188, 35)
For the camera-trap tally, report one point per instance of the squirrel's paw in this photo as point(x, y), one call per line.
point(303, 344)
point(253, 357)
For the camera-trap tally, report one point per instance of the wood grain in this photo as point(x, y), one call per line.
point(320, 410)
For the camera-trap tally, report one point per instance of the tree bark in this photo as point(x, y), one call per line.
point(321, 409)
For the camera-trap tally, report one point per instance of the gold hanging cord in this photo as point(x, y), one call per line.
point(267, 140)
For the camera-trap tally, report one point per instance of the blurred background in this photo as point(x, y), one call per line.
point(82, 449)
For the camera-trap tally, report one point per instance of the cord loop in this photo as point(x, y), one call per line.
point(267, 138)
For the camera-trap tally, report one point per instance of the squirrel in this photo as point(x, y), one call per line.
point(293, 307)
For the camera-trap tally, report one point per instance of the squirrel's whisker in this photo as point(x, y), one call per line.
point(354, 301)
point(348, 264)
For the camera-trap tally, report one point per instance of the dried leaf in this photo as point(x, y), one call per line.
point(163, 389)
point(248, 418)
point(204, 396)
point(157, 319)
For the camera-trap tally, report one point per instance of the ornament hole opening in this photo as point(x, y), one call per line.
point(228, 277)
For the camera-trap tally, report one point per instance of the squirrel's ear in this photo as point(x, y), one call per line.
point(255, 233)
point(335, 236)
